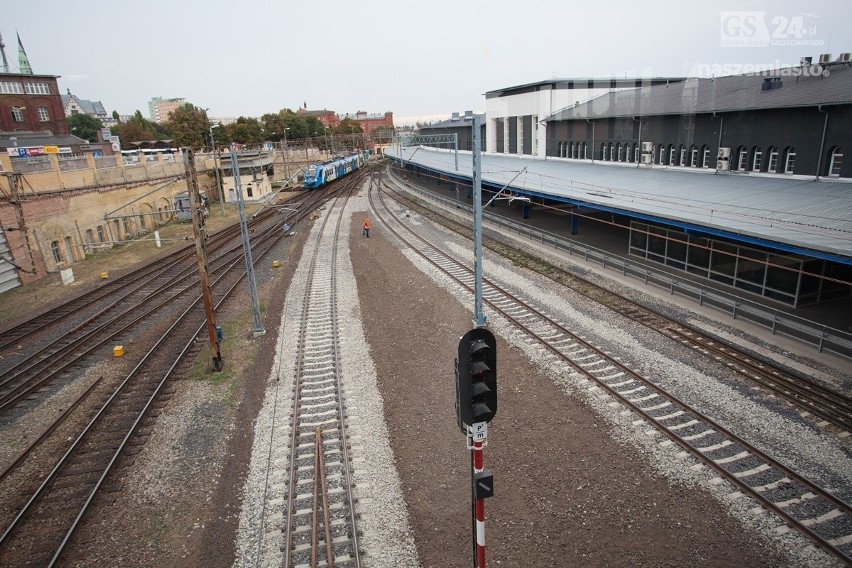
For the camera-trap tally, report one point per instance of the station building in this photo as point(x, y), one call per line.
point(739, 181)
point(792, 122)
point(461, 126)
point(514, 114)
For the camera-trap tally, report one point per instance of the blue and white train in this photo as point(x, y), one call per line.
point(317, 175)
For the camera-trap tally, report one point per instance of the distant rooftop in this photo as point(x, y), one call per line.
point(582, 83)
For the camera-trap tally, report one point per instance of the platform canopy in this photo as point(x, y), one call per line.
point(798, 215)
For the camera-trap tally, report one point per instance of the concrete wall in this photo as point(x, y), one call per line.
point(63, 209)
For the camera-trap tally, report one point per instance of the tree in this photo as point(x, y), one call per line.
point(139, 129)
point(348, 126)
point(189, 126)
point(245, 131)
point(85, 126)
point(382, 134)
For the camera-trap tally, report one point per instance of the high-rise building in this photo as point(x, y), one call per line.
point(161, 108)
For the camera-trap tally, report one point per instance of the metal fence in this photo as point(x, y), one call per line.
point(823, 337)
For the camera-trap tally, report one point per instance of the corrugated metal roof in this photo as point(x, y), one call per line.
point(800, 213)
point(722, 94)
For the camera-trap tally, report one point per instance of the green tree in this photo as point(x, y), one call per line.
point(189, 126)
point(138, 129)
point(348, 126)
point(382, 134)
point(85, 126)
point(245, 131)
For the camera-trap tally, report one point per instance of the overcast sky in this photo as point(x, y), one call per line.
point(416, 59)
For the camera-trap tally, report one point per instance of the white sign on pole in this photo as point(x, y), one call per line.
point(478, 431)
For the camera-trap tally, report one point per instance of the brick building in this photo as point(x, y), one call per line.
point(31, 103)
point(328, 118)
point(369, 122)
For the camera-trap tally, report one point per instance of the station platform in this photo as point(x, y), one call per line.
point(615, 240)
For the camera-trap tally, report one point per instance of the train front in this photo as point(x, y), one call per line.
point(313, 177)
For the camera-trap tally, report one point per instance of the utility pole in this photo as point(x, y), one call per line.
point(15, 188)
point(200, 234)
point(258, 328)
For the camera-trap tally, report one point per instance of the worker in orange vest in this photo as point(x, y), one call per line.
point(367, 228)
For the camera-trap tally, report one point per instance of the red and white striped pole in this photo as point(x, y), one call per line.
point(479, 507)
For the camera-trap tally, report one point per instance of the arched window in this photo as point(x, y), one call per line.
point(635, 152)
point(575, 149)
point(672, 157)
point(756, 158)
point(693, 156)
point(789, 160)
point(661, 154)
point(619, 154)
point(585, 151)
point(705, 156)
point(603, 152)
point(742, 158)
point(836, 162)
point(609, 149)
point(772, 164)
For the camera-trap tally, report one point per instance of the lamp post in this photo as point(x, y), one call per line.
point(286, 151)
point(219, 187)
point(327, 146)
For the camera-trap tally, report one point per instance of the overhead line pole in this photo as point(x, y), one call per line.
point(258, 328)
point(478, 315)
point(200, 233)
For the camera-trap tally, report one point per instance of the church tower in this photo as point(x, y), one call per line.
point(23, 61)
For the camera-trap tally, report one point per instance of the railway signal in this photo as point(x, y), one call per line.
point(476, 378)
point(476, 406)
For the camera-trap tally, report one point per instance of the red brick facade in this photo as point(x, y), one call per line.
point(32, 103)
point(370, 121)
point(327, 117)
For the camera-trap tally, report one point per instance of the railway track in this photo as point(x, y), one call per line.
point(56, 508)
point(319, 489)
point(812, 398)
point(89, 305)
point(798, 502)
point(167, 291)
point(56, 503)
